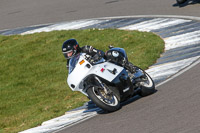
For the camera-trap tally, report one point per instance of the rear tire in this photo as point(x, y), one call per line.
point(112, 102)
point(147, 88)
point(147, 85)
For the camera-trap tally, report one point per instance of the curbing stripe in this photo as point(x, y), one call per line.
point(65, 26)
point(155, 24)
point(182, 40)
point(164, 71)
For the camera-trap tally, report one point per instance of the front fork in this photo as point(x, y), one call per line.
point(108, 97)
point(102, 85)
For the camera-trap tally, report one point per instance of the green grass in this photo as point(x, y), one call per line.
point(33, 71)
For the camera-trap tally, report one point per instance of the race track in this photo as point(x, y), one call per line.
point(175, 107)
point(182, 50)
point(20, 13)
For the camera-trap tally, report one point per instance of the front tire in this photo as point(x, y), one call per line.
point(108, 102)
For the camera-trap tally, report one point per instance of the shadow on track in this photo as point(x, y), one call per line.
point(131, 100)
point(188, 2)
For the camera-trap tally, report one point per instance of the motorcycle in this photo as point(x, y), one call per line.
point(105, 82)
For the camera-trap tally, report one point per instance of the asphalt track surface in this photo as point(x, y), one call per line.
point(20, 13)
point(174, 108)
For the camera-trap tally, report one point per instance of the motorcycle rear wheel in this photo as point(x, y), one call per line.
point(147, 85)
point(108, 102)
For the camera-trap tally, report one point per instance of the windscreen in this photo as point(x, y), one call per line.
point(72, 63)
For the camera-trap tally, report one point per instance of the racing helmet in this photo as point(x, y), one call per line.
point(70, 48)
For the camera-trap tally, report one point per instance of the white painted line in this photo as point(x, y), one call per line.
point(169, 69)
point(182, 40)
point(60, 122)
point(173, 22)
point(181, 72)
point(154, 24)
point(153, 16)
point(169, 46)
point(66, 26)
point(144, 24)
point(72, 115)
point(181, 37)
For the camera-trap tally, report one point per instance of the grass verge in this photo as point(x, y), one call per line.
point(33, 71)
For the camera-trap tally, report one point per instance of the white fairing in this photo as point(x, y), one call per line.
point(81, 71)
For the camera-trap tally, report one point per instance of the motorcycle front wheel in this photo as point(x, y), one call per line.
point(108, 101)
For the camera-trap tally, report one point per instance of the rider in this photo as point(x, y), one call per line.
point(70, 48)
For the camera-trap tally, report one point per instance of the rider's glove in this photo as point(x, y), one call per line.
point(98, 56)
